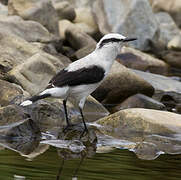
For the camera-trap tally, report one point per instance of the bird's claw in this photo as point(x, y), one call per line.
point(85, 131)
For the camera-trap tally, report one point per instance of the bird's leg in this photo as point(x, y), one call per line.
point(85, 127)
point(66, 115)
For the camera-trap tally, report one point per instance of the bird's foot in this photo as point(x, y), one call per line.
point(67, 127)
point(85, 132)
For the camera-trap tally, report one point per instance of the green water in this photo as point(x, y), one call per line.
point(115, 165)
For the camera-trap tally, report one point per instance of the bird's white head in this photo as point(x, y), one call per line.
point(113, 40)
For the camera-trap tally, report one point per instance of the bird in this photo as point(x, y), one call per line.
point(80, 78)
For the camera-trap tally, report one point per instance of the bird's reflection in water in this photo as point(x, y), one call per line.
point(26, 139)
point(71, 146)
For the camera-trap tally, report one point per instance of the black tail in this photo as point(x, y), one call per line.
point(38, 97)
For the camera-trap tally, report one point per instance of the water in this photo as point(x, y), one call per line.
point(117, 164)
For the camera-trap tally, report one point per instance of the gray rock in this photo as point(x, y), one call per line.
point(17, 26)
point(120, 84)
point(136, 59)
point(132, 18)
point(41, 11)
point(65, 10)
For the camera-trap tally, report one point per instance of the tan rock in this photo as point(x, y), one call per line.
point(65, 10)
point(138, 120)
point(84, 15)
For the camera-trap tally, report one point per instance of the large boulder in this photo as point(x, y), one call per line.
point(3, 10)
point(120, 84)
point(173, 7)
point(132, 18)
point(136, 59)
point(41, 11)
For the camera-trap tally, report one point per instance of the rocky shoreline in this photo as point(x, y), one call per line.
point(38, 38)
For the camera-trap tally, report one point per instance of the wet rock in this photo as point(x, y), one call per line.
point(120, 84)
point(77, 38)
point(168, 29)
point(136, 123)
point(34, 74)
point(12, 114)
point(19, 27)
point(65, 10)
point(13, 51)
point(40, 11)
point(172, 58)
point(8, 91)
point(140, 101)
point(131, 18)
point(136, 59)
point(172, 7)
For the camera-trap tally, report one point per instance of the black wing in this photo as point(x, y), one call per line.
point(89, 75)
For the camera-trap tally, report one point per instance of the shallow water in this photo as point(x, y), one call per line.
point(117, 164)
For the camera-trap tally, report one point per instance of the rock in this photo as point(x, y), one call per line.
point(168, 29)
point(167, 90)
point(175, 43)
point(136, 59)
point(84, 15)
point(120, 84)
point(34, 74)
point(40, 11)
point(3, 10)
point(160, 83)
point(172, 7)
point(13, 51)
point(172, 58)
point(19, 27)
point(83, 52)
point(129, 123)
point(77, 38)
point(140, 101)
point(132, 18)
point(63, 25)
point(8, 91)
point(65, 10)
point(12, 115)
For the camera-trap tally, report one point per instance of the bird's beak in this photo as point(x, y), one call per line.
point(129, 39)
